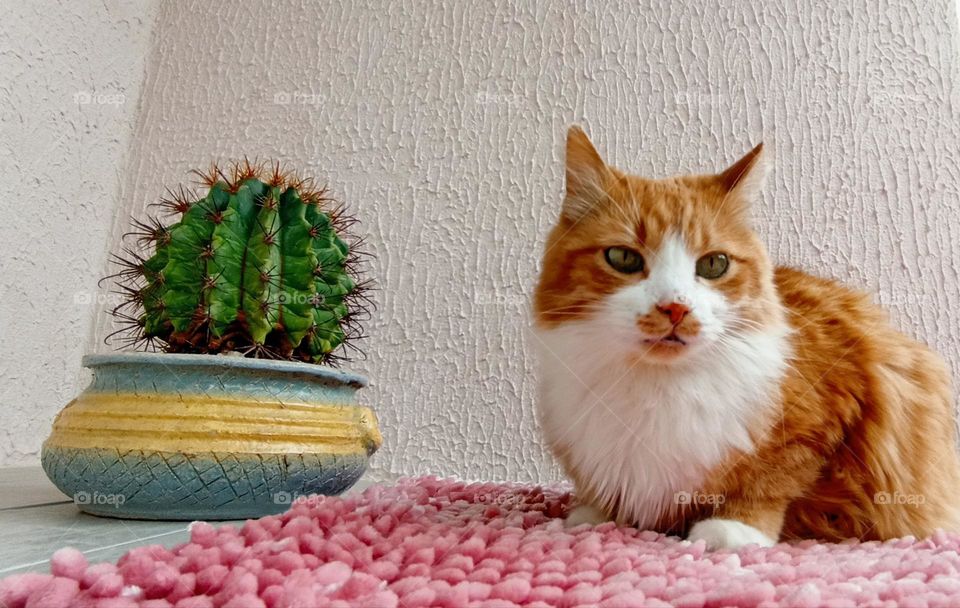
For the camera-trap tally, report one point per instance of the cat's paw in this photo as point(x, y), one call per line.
point(728, 534)
point(585, 514)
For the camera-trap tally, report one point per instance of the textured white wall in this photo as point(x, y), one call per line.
point(70, 74)
point(441, 124)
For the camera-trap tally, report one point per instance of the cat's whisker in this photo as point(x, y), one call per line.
point(572, 306)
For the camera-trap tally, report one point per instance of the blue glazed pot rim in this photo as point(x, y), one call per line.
point(226, 362)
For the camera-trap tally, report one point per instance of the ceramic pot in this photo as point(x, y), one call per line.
point(163, 436)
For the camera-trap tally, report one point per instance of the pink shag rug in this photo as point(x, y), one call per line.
point(435, 542)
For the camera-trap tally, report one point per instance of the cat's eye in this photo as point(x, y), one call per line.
point(624, 260)
point(713, 265)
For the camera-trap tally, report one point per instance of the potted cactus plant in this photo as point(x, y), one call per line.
point(248, 297)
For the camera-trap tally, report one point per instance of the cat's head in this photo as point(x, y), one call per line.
point(658, 268)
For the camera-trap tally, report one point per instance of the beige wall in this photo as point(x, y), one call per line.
point(70, 74)
point(441, 123)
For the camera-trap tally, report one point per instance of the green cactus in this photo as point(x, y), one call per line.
point(260, 265)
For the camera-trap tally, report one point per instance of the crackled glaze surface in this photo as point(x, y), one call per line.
point(159, 436)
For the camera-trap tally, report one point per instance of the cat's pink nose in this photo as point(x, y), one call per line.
point(675, 310)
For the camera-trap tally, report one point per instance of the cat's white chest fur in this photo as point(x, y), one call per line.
point(640, 433)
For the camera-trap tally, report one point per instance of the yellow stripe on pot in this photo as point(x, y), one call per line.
point(203, 423)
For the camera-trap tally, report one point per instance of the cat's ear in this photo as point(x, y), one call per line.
point(744, 180)
point(586, 173)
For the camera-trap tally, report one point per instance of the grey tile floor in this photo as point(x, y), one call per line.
point(36, 519)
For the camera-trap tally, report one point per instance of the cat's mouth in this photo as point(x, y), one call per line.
point(671, 341)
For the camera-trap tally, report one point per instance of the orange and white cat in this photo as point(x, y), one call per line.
point(690, 387)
